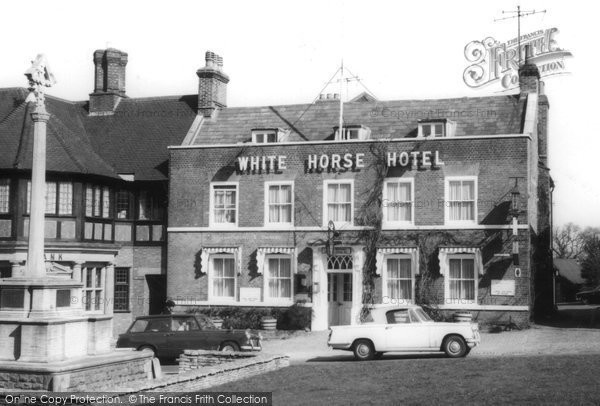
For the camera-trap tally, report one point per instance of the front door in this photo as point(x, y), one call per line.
point(339, 296)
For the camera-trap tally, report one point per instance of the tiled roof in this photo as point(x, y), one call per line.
point(569, 269)
point(390, 119)
point(133, 140)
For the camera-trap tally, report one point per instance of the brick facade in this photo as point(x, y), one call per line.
point(494, 161)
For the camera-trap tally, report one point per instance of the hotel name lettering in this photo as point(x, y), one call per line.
point(339, 162)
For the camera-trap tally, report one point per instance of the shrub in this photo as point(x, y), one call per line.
point(294, 317)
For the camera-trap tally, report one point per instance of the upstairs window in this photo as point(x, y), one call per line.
point(97, 201)
point(59, 198)
point(436, 128)
point(353, 132)
point(461, 199)
point(398, 201)
point(279, 203)
point(122, 202)
point(150, 206)
point(224, 202)
point(338, 202)
point(268, 135)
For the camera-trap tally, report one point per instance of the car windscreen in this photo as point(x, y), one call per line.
point(139, 326)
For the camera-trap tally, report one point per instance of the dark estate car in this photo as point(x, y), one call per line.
point(588, 296)
point(168, 335)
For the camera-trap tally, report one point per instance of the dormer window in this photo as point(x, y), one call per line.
point(441, 127)
point(353, 132)
point(268, 135)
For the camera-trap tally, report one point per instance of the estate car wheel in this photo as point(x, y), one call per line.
point(229, 346)
point(454, 346)
point(148, 348)
point(363, 350)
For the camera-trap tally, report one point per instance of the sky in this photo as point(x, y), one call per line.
point(278, 52)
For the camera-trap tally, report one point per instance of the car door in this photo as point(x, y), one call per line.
point(186, 335)
point(156, 334)
point(405, 332)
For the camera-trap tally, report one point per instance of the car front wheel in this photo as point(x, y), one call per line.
point(455, 346)
point(363, 350)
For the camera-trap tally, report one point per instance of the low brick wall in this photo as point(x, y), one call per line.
point(234, 367)
point(93, 373)
point(195, 359)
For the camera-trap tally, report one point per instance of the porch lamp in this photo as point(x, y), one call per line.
point(332, 240)
point(514, 211)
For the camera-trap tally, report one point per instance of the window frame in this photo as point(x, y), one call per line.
point(7, 182)
point(56, 212)
point(267, 298)
point(447, 181)
point(211, 278)
point(281, 224)
point(390, 223)
point(103, 190)
point(265, 134)
point(93, 287)
point(326, 219)
point(362, 133)
point(127, 285)
point(211, 219)
point(448, 301)
point(385, 278)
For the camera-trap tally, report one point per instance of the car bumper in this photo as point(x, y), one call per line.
point(253, 345)
point(339, 346)
point(475, 341)
point(250, 348)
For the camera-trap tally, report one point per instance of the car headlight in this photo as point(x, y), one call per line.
point(248, 334)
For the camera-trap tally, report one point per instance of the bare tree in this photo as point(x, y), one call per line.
point(590, 266)
point(568, 241)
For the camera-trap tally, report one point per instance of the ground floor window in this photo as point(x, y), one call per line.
point(461, 280)
point(121, 303)
point(279, 277)
point(398, 278)
point(93, 288)
point(223, 276)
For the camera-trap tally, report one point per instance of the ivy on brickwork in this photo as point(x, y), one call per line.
point(370, 214)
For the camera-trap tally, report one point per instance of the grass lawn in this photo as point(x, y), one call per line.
point(565, 379)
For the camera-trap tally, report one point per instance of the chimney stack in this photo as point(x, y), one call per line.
point(212, 88)
point(529, 75)
point(109, 81)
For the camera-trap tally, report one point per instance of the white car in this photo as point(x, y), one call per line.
point(404, 328)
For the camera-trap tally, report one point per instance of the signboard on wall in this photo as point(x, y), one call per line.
point(250, 295)
point(502, 287)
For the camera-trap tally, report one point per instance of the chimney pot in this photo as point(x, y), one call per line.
point(212, 87)
point(329, 96)
point(336, 96)
point(109, 80)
